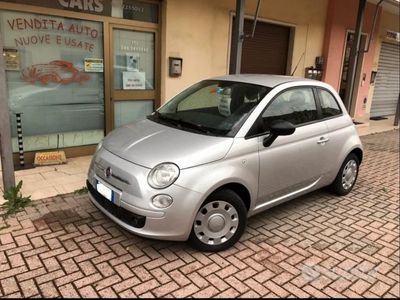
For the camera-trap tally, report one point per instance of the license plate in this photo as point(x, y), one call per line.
point(105, 191)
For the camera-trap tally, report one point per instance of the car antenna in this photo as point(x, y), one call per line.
point(297, 63)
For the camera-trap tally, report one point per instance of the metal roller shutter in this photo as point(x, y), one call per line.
point(387, 82)
point(267, 51)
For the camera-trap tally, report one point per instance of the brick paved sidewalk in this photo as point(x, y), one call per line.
point(317, 245)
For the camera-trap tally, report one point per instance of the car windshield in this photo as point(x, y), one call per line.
point(211, 107)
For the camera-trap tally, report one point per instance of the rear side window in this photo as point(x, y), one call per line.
point(329, 106)
point(296, 105)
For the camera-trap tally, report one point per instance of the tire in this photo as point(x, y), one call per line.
point(346, 179)
point(219, 223)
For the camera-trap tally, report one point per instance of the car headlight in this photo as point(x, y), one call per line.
point(163, 175)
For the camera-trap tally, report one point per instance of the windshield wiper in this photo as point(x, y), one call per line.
point(165, 118)
point(179, 123)
point(195, 126)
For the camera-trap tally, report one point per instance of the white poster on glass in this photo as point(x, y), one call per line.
point(132, 61)
point(134, 80)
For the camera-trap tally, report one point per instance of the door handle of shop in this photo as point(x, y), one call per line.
point(322, 140)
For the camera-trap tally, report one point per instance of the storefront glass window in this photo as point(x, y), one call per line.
point(128, 111)
point(133, 60)
point(54, 69)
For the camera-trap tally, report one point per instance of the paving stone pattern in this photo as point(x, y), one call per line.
point(318, 245)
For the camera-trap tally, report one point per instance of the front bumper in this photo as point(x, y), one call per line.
point(125, 216)
point(133, 210)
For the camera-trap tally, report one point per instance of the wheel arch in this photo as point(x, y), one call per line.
point(359, 153)
point(239, 189)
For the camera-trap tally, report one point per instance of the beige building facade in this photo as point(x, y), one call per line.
point(200, 31)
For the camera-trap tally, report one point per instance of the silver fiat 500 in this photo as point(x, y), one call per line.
point(221, 151)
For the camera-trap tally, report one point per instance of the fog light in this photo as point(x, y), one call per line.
point(162, 201)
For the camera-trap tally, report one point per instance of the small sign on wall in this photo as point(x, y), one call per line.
point(94, 65)
point(11, 59)
point(134, 80)
point(393, 35)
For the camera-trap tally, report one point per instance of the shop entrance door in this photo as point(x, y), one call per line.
point(345, 69)
point(134, 79)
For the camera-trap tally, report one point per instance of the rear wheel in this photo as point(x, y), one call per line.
point(219, 223)
point(347, 176)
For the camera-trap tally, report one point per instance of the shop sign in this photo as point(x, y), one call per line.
point(49, 158)
point(98, 7)
point(141, 11)
point(11, 59)
point(41, 31)
point(393, 35)
point(94, 65)
point(134, 80)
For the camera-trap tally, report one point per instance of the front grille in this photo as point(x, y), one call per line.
point(122, 214)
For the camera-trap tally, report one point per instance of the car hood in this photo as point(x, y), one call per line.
point(148, 144)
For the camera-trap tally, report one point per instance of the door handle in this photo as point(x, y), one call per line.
point(322, 140)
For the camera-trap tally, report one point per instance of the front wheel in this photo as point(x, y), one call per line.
point(347, 176)
point(219, 223)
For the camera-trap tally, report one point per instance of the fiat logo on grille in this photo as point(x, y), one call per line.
point(108, 172)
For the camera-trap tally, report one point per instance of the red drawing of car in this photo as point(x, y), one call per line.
point(56, 71)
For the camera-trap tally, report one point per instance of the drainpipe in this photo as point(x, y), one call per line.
point(371, 34)
point(354, 51)
point(255, 19)
point(7, 165)
point(396, 117)
point(238, 36)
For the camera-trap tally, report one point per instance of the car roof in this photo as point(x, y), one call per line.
point(263, 79)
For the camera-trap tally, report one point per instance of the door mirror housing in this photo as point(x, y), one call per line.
point(282, 127)
point(277, 128)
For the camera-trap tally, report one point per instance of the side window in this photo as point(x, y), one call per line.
point(295, 105)
point(329, 106)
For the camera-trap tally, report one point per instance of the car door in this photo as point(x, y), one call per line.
point(339, 126)
point(294, 164)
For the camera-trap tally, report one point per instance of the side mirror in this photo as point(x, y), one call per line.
point(277, 128)
point(281, 127)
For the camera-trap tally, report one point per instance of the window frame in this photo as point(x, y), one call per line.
point(257, 122)
point(319, 97)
